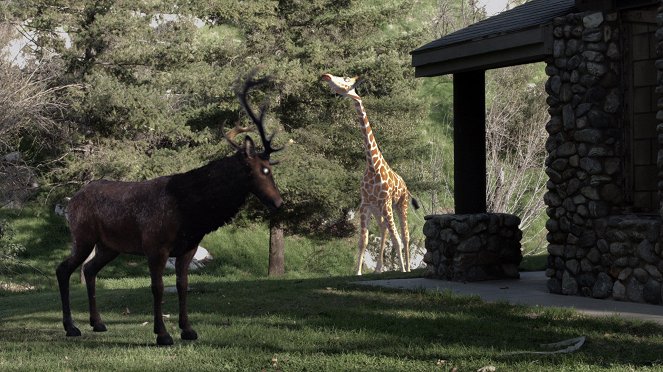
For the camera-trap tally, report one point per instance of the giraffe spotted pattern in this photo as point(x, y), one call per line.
point(383, 191)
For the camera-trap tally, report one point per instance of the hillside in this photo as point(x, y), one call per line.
point(108, 109)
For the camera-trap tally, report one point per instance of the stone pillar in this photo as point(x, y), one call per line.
point(585, 146)
point(472, 247)
point(659, 114)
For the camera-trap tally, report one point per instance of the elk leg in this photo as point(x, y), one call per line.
point(182, 283)
point(363, 236)
point(63, 272)
point(157, 263)
point(101, 258)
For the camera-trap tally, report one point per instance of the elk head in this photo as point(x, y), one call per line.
point(261, 182)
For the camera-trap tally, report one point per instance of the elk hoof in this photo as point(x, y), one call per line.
point(164, 340)
point(99, 327)
point(189, 335)
point(73, 332)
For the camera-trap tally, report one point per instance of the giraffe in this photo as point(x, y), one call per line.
point(382, 190)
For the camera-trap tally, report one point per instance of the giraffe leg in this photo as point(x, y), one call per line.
point(395, 238)
point(363, 236)
point(383, 239)
point(405, 232)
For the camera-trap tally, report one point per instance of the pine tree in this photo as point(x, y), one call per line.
point(158, 89)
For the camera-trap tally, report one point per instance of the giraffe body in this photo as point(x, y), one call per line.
point(383, 191)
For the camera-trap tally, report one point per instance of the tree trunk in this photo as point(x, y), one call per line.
point(276, 250)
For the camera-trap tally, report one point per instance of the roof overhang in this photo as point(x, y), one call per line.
point(524, 46)
point(516, 36)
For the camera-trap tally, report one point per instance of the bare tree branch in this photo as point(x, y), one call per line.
point(515, 135)
point(30, 105)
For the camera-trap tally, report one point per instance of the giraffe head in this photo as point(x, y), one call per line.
point(344, 86)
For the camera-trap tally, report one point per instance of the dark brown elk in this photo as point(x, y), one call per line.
point(164, 217)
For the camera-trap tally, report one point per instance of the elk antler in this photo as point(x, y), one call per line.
point(230, 136)
point(258, 120)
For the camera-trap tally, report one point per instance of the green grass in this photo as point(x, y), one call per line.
point(45, 240)
point(534, 262)
point(314, 318)
point(321, 324)
point(239, 252)
point(243, 252)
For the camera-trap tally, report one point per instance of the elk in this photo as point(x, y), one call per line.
point(165, 217)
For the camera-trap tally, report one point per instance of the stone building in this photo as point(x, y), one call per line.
point(604, 61)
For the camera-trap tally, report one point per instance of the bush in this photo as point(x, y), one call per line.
point(32, 131)
point(9, 251)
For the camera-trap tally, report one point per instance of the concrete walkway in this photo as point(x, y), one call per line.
point(531, 290)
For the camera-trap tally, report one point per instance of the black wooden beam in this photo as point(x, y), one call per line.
point(511, 57)
point(526, 46)
point(469, 90)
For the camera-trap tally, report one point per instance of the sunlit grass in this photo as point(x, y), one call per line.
point(324, 323)
point(534, 262)
point(313, 318)
point(238, 252)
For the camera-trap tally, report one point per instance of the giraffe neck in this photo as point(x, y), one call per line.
point(373, 155)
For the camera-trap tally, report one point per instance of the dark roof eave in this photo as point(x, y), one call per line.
point(529, 45)
point(530, 14)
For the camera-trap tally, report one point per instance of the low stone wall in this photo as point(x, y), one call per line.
point(625, 263)
point(472, 247)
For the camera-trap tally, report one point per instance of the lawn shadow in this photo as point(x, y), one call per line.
point(350, 317)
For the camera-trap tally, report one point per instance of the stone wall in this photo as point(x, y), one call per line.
point(659, 103)
point(596, 248)
point(472, 247)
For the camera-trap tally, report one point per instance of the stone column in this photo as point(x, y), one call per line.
point(472, 247)
point(584, 147)
point(659, 90)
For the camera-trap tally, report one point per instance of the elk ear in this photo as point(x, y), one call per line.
point(249, 147)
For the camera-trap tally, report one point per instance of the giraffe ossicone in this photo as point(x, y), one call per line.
point(383, 191)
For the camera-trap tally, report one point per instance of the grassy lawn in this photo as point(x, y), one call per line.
point(238, 251)
point(313, 324)
point(534, 262)
point(316, 318)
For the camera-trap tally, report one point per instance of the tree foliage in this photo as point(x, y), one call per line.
point(157, 82)
point(32, 126)
point(516, 142)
